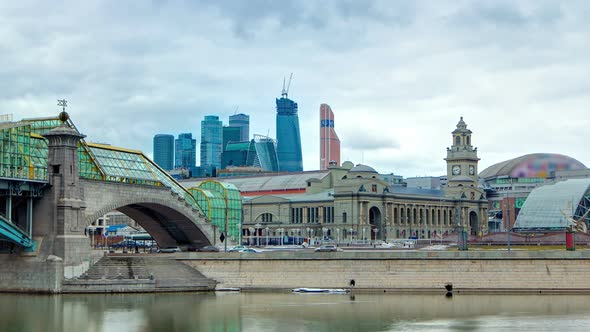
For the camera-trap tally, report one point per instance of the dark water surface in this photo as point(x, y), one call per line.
point(287, 312)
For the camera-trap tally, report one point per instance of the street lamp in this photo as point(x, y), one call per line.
point(409, 222)
point(337, 235)
point(266, 229)
point(364, 238)
point(440, 222)
point(508, 222)
point(251, 231)
point(280, 241)
point(325, 231)
point(257, 227)
point(375, 230)
point(239, 226)
point(351, 235)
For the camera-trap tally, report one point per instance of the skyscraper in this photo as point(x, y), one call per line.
point(243, 122)
point(186, 151)
point(211, 142)
point(288, 136)
point(267, 153)
point(329, 142)
point(230, 135)
point(164, 151)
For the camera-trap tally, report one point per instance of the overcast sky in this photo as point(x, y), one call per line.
point(398, 74)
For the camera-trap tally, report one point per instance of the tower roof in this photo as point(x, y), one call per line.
point(461, 127)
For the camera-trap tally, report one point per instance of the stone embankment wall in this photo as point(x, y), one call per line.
point(541, 271)
point(30, 275)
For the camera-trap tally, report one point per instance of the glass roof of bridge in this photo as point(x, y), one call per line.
point(23, 155)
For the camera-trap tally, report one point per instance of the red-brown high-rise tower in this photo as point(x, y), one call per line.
point(329, 142)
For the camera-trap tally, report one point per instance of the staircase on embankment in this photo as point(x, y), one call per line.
point(121, 274)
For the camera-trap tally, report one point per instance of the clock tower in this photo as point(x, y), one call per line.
point(462, 165)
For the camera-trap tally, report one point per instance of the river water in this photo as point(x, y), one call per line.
point(285, 312)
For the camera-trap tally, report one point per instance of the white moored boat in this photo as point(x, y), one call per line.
point(321, 290)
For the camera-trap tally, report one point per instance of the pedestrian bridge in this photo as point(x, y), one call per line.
point(41, 196)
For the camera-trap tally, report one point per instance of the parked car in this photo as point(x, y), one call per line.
point(209, 249)
point(327, 248)
point(250, 250)
point(169, 249)
point(236, 248)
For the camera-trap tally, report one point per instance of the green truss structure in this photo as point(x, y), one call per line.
point(23, 155)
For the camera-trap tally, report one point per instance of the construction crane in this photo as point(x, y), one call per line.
point(285, 92)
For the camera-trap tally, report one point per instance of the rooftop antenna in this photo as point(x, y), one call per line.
point(236, 111)
point(285, 91)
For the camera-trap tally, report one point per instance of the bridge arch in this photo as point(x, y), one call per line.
point(165, 215)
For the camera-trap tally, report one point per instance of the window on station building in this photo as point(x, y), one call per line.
point(328, 215)
point(313, 215)
point(374, 188)
point(343, 217)
point(266, 217)
point(457, 140)
point(296, 215)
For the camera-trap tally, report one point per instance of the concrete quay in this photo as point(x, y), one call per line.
point(547, 271)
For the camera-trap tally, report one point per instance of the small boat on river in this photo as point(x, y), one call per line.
point(321, 290)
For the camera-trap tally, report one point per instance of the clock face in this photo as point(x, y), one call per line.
point(456, 170)
point(471, 170)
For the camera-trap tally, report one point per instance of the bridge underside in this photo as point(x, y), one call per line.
point(166, 225)
point(13, 233)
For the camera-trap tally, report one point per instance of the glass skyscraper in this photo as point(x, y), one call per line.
point(164, 151)
point(288, 136)
point(243, 122)
point(186, 151)
point(230, 135)
point(267, 153)
point(211, 142)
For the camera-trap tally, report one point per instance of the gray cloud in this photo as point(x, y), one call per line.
point(397, 74)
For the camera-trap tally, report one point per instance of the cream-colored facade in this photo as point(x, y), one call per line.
point(350, 203)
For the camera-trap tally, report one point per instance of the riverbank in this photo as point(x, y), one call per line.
point(549, 271)
point(473, 271)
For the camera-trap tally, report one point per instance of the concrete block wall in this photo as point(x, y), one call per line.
point(30, 275)
point(398, 273)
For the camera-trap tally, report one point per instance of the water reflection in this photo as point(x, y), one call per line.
point(292, 312)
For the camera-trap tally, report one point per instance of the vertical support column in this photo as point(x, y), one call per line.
point(30, 216)
point(9, 207)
